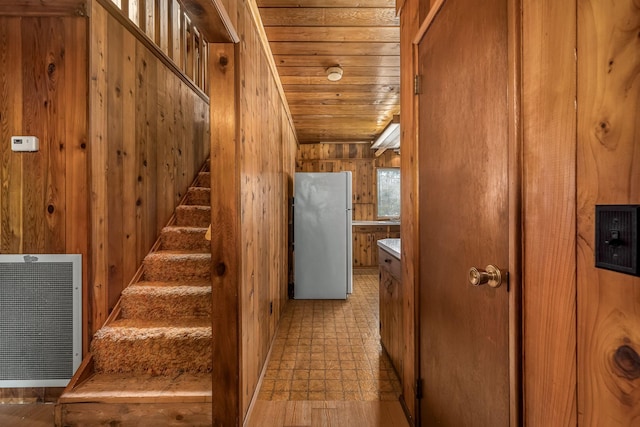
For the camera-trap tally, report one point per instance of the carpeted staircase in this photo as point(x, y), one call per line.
point(152, 359)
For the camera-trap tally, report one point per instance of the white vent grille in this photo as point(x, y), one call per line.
point(40, 319)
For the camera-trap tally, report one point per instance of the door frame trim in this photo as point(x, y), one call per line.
point(515, 169)
point(428, 20)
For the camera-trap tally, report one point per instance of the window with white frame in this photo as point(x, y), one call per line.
point(388, 181)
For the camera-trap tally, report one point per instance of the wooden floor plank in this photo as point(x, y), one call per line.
point(27, 415)
point(267, 410)
point(327, 413)
point(325, 417)
point(298, 414)
point(391, 414)
point(350, 417)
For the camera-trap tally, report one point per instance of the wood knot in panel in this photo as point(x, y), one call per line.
point(603, 134)
point(627, 360)
point(220, 269)
point(604, 126)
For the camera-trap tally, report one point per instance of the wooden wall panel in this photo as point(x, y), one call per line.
point(43, 8)
point(114, 145)
point(549, 216)
point(30, 395)
point(11, 94)
point(231, 6)
point(35, 103)
point(128, 154)
point(44, 195)
point(147, 98)
point(289, 165)
point(99, 279)
point(266, 143)
point(149, 137)
point(77, 187)
point(225, 248)
point(409, 202)
point(608, 173)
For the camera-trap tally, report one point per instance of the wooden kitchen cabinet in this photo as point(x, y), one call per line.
point(391, 320)
point(365, 238)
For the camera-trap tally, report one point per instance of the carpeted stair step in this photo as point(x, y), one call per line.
point(198, 196)
point(203, 180)
point(167, 266)
point(161, 347)
point(185, 238)
point(165, 300)
point(193, 216)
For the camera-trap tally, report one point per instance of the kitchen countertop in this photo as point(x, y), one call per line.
point(390, 245)
point(386, 222)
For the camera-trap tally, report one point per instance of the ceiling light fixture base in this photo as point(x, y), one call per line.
point(334, 74)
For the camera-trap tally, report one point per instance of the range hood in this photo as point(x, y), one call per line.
point(389, 139)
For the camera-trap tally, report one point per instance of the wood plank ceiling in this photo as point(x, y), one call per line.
point(360, 36)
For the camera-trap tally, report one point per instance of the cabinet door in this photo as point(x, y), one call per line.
point(360, 249)
point(385, 299)
point(375, 234)
point(384, 232)
point(395, 323)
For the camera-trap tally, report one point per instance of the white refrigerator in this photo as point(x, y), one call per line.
point(322, 235)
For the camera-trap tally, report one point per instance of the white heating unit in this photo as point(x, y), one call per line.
point(40, 319)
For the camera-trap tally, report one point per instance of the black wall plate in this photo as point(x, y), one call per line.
point(617, 238)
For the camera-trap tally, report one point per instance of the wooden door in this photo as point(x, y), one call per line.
point(464, 215)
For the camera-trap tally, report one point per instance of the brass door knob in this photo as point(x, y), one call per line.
point(491, 275)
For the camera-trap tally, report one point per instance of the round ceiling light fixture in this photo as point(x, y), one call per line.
point(334, 74)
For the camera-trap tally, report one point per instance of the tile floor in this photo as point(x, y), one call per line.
point(330, 350)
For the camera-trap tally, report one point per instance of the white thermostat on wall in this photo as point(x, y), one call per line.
point(25, 143)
